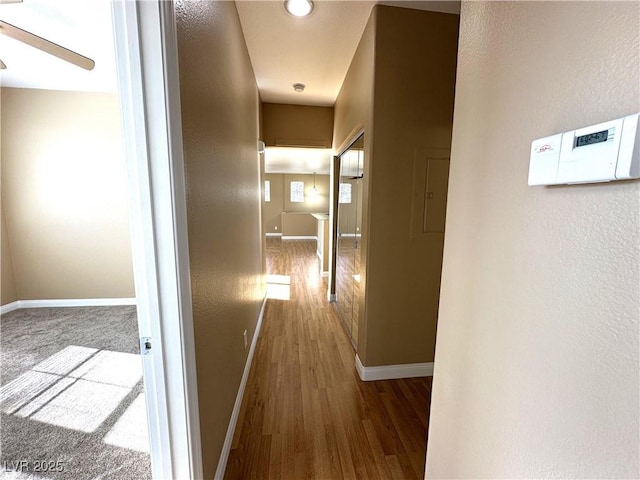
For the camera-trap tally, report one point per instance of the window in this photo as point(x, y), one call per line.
point(297, 192)
point(267, 191)
point(344, 195)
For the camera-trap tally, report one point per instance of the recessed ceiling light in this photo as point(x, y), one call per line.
point(299, 87)
point(298, 8)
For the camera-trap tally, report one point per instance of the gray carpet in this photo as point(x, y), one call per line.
point(71, 392)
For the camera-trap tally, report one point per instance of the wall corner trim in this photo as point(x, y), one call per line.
point(389, 372)
point(73, 302)
point(226, 448)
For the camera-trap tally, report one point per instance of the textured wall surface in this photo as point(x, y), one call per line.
point(297, 125)
point(353, 114)
point(536, 368)
point(8, 283)
point(412, 114)
point(404, 103)
point(280, 198)
point(273, 210)
point(220, 108)
point(64, 192)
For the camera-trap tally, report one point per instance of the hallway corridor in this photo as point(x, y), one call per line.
point(306, 413)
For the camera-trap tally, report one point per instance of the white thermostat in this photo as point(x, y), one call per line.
point(601, 153)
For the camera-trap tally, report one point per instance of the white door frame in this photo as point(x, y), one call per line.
point(146, 51)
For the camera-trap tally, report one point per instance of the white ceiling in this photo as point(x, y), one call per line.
point(83, 26)
point(315, 50)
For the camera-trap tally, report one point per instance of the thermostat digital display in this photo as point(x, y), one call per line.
point(600, 153)
point(592, 138)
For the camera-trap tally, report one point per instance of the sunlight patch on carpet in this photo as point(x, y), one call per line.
point(76, 388)
point(126, 432)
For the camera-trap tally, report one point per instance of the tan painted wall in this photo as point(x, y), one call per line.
point(220, 106)
point(312, 203)
point(280, 200)
point(297, 125)
point(354, 113)
point(413, 112)
point(406, 108)
point(8, 285)
point(536, 371)
point(299, 224)
point(273, 209)
point(64, 192)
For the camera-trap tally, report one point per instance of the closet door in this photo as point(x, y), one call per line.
point(356, 195)
point(349, 238)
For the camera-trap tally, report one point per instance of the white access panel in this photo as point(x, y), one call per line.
point(600, 153)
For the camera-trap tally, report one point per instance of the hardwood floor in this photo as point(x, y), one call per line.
point(306, 413)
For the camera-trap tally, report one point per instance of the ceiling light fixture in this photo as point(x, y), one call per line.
point(299, 87)
point(298, 8)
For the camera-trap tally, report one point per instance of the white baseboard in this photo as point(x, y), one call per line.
point(226, 447)
point(274, 234)
point(299, 237)
point(73, 302)
point(331, 297)
point(9, 307)
point(388, 372)
point(324, 274)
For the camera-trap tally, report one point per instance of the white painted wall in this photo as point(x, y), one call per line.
point(536, 366)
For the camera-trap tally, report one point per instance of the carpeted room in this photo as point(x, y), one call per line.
point(71, 380)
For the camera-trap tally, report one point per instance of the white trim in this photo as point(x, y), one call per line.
point(324, 274)
point(226, 448)
point(332, 297)
point(274, 234)
point(186, 371)
point(146, 54)
point(9, 307)
point(350, 235)
point(299, 237)
point(67, 302)
point(388, 372)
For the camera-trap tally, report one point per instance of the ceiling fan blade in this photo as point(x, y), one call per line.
point(46, 46)
point(2, 65)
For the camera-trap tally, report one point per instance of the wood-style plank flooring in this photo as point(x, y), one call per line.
point(306, 413)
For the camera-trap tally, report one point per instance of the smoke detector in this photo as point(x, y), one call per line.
point(299, 87)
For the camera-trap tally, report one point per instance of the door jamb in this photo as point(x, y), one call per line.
point(147, 60)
